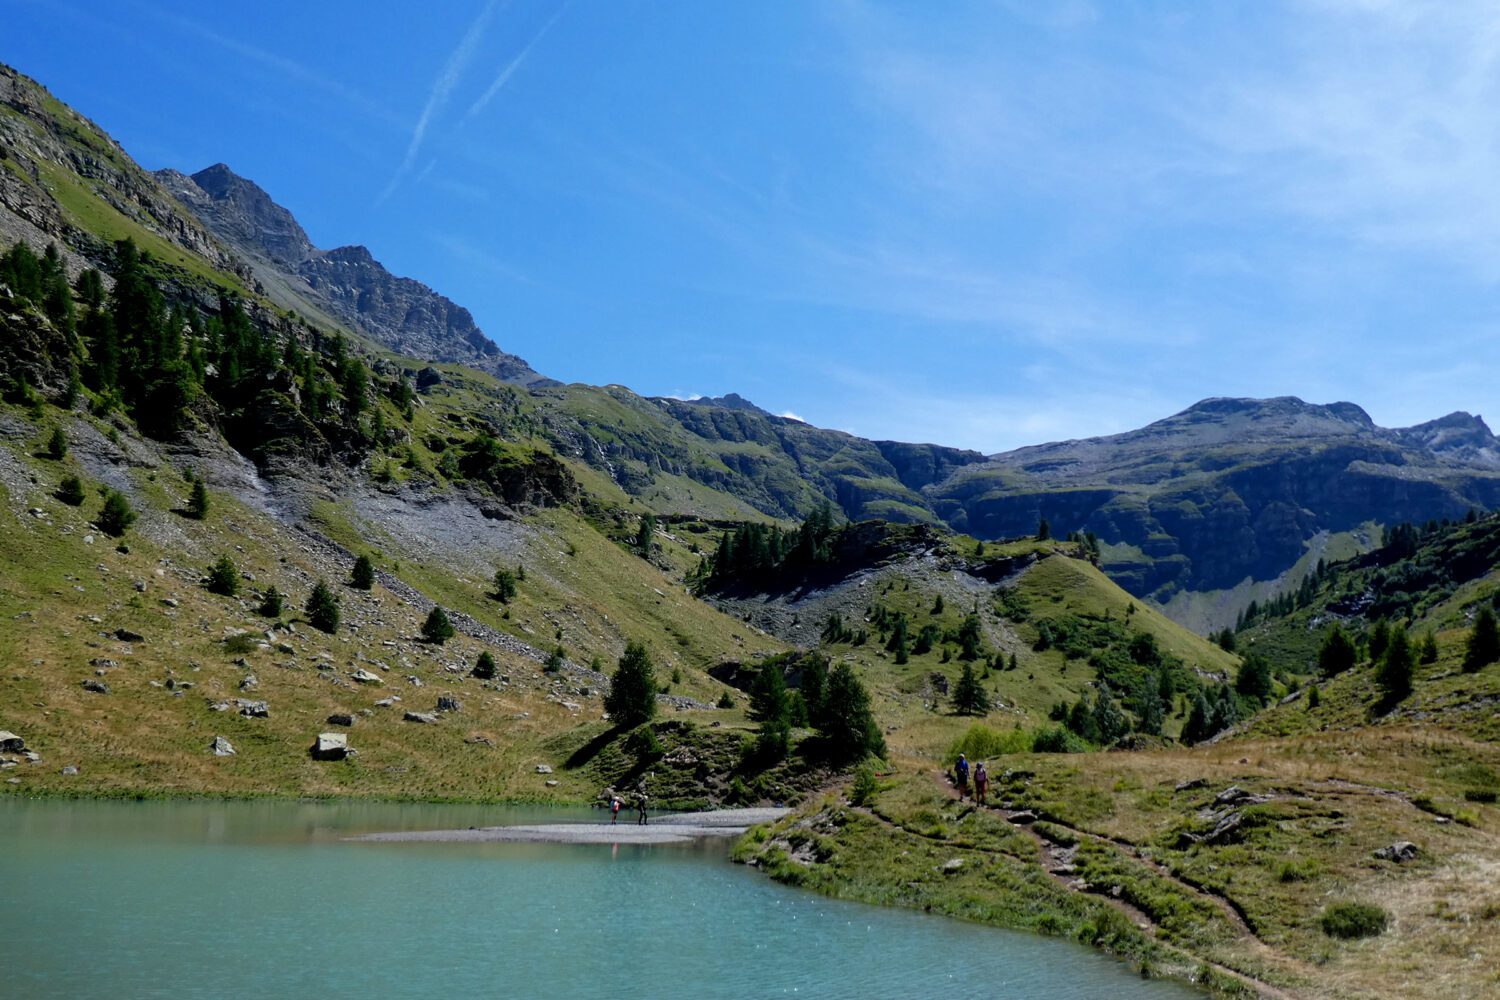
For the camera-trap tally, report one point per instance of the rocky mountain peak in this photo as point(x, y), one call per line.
point(347, 283)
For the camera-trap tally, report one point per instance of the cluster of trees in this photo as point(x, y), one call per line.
point(755, 552)
point(153, 360)
point(1279, 606)
point(832, 702)
point(894, 629)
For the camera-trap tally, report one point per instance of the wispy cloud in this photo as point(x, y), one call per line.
point(439, 93)
point(289, 69)
point(509, 69)
point(480, 258)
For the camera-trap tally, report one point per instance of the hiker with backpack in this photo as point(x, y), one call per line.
point(981, 783)
point(961, 776)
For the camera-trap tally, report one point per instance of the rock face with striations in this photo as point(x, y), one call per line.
point(347, 283)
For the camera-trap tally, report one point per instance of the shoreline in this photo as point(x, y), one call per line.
point(677, 828)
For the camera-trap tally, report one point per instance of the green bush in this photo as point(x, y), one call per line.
point(70, 491)
point(57, 444)
point(981, 742)
point(1353, 920)
point(116, 515)
point(271, 603)
point(865, 787)
point(362, 577)
point(323, 609)
point(224, 577)
point(484, 669)
point(437, 629)
point(1057, 739)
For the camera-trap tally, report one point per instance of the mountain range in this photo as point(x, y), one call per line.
point(1199, 511)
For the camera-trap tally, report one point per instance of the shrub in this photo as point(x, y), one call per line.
point(1353, 920)
point(116, 515)
point(983, 743)
point(726, 700)
point(57, 444)
point(1056, 739)
point(323, 608)
point(484, 668)
point(555, 661)
point(224, 577)
point(865, 787)
point(437, 629)
point(240, 644)
point(70, 491)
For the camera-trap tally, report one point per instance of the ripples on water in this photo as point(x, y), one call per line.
point(266, 900)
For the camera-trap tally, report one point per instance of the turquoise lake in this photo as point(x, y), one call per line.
point(266, 899)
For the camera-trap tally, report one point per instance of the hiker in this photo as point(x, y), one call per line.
point(640, 805)
point(981, 782)
point(614, 809)
point(961, 776)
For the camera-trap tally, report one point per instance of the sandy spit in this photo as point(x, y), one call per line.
point(674, 829)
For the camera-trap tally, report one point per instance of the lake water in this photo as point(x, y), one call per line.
point(265, 899)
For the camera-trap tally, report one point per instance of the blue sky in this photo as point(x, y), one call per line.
point(982, 224)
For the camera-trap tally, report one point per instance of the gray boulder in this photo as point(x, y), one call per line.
point(1400, 851)
point(10, 742)
point(424, 717)
point(341, 719)
point(254, 709)
point(98, 687)
point(448, 703)
point(221, 747)
point(330, 746)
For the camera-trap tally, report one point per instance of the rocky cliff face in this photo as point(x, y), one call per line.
point(63, 179)
point(1228, 488)
point(347, 283)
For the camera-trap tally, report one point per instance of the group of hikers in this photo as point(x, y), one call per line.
point(981, 780)
point(615, 804)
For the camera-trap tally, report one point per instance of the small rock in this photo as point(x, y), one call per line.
point(170, 602)
point(88, 539)
point(364, 676)
point(98, 687)
point(414, 680)
point(952, 866)
point(448, 703)
point(70, 769)
point(543, 769)
point(341, 719)
point(1023, 818)
point(125, 635)
point(140, 586)
point(254, 709)
point(551, 783)
point(387, 702)
point(10, 742)
point(1401, 850)
point(1188, 786)
point(425, 717)
point(221, 747)
point(249, 683)
point(12, 781)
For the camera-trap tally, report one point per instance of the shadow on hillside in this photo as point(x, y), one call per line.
point(591, 749)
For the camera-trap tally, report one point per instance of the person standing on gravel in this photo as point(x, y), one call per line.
point(614, 809)
point(640, 805)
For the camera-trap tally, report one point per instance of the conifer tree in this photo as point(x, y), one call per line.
point(632, 691)
point(362, 577)
point(70, 491)
point(969, 638)
point(1393, 674)
point(1337, 653)
point(224, 577)
point(271, 603)
point(116, 515)
point(645, 535)
point(57, 444)
point(969, 696)
point(1254, 678)
point(847, 725)
point(1483, 646)
point(323, 608)
point(197, 507)
point(437, 629)
point(484, 667)
point(505, 586)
